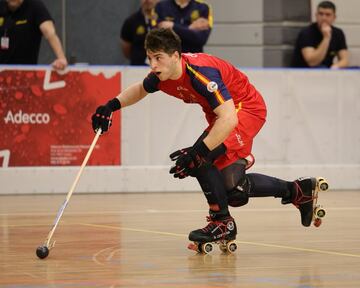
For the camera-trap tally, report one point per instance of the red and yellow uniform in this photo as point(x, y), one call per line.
point(209, 82)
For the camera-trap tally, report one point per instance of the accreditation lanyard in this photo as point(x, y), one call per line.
point(5, 40)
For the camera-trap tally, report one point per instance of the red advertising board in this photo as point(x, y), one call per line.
point(45, 117)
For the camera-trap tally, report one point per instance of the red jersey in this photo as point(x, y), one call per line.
point(209, 81)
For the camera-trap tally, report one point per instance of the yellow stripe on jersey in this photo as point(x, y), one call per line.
point(206, 81)
point(238, 106)
point(210, 17)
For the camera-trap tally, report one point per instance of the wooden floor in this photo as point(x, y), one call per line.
point(133, 240)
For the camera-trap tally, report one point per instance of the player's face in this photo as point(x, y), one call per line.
point(165, 66)
point(325, 16)
point(14, 4)
point(182, 2)
point(148, 4)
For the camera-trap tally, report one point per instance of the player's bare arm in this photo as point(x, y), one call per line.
point(102, 116)
point(132, 94)
point(226, 121)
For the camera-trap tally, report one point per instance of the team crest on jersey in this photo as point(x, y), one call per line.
point(194, 15)
point(153, 19)
point(140, 30)
point(212, 86)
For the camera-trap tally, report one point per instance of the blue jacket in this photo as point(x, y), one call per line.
point(192, 41)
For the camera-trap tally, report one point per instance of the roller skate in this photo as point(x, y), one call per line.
point(222, 232)
point(305, 196)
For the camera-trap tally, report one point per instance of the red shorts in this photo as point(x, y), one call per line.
point(239, 143)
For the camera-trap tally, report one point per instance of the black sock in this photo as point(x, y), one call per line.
point(265, 186)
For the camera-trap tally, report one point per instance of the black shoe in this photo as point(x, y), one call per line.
point(216, 230)
point(303, 198)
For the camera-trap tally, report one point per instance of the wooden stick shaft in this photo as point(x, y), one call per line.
point(73, 186)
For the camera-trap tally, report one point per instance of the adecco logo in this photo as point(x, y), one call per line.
point(25, 118)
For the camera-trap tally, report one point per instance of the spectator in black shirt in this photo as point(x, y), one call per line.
point(134, 30)
point(22, 24)
point(192, 20)
point(318, 44)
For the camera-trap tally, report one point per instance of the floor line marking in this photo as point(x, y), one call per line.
point(300, 249)
point(238, 241)
point(132, 229)
point(156, 211)
point(95, 256)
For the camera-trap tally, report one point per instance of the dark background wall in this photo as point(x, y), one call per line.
point(92, 29)
point(283, 20)
point(257, 33)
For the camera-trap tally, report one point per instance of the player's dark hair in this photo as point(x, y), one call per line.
point(163, 39)
point(327, 5)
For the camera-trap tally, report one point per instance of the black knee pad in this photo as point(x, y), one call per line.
point(239, 195)
point(237, 183)
point(212, 184)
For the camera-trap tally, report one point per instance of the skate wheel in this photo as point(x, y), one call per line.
point(206, 248)
point(317, 222)
point(322, 184)
point(320, 212)
point(231, 246)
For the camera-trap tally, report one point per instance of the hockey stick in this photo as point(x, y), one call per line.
point(43, 251)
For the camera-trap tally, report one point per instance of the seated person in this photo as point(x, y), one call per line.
point(318, 44)
point(191, 20)
point(134, 30)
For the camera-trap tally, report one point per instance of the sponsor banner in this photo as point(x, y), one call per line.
point(45, 117)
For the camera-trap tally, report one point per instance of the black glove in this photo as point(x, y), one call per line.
point(102, 117)
point(189, 160)
point(174, 157)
